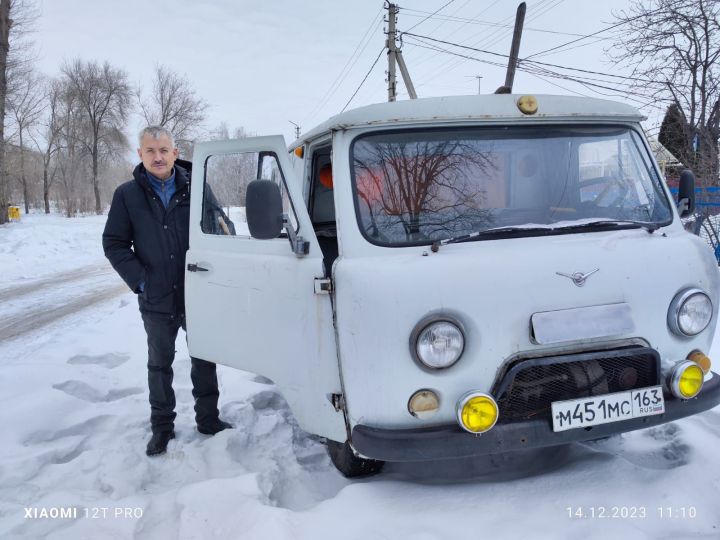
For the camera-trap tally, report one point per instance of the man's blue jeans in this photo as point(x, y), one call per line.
point(161, 333)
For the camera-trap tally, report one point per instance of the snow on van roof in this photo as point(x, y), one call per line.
point(488, 107)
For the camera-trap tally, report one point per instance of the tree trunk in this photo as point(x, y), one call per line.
point(23, 178)
point(46, 190)
point(96, 186)
point(5, 24)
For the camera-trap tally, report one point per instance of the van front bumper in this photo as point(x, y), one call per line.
point(451, 441)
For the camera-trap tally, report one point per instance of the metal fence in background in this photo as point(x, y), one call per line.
point(705, 222)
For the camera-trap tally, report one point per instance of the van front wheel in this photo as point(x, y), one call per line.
point(350, 465)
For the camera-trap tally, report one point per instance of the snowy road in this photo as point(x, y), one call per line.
point(33, 306)
point(74, 414)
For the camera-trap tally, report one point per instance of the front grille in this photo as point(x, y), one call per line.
point(529, 386)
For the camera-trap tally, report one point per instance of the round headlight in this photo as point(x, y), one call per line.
point(690, 312)
point(440, 344)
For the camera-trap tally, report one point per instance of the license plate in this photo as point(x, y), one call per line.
point(592, 411)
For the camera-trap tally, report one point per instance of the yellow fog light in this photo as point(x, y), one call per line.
point(476, 412)
point(686, 380)
point(701, 360)
point(423, 404)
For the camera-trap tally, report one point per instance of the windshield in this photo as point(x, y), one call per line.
point(417, 187)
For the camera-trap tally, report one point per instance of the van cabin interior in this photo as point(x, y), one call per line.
point(321, 207)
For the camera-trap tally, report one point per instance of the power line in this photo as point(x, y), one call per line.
point(624, 93)
point(345, 71)
point(543, 7)
point(364, 79)
point(423, 60)
point(578, 39)
point(433, 13)
point(486, 37)
point(593, 42)
point(525, 61)
point(451, 18)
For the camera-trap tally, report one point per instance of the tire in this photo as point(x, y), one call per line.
point(350, 465)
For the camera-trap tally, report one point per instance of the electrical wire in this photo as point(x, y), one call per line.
point(592, 86)
point(424, 60)
point(364, 79)
point(578, 39)
point(345, 71)
point(543, 7)
point(525, 61)
point(433, 13)
point(451, 18)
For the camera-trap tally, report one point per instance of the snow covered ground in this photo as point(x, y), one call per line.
point(74, 418)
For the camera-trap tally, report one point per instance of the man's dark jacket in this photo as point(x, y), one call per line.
point(145, 242)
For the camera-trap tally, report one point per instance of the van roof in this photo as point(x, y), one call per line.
point(488, 107)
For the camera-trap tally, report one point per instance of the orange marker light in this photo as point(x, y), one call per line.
point(701, 360)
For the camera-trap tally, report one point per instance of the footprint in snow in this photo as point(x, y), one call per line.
point(60, 456)
point(110, 360)
point(84, 391)
point(90, 425)
point(269, 399)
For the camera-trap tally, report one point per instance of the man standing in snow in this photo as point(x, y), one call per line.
point(145, 239)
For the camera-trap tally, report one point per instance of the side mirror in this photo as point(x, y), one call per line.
point(263, 209)
point(686, 193)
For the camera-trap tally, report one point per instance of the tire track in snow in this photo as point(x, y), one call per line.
point(38, 318)
point(61, 278)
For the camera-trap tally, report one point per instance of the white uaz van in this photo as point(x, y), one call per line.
point(449, 277)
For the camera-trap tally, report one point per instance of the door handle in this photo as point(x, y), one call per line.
point(192, 267)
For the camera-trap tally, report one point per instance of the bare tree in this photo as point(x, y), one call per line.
point(230, 174)
point(25, 105)
point(673, 47)
point(104, 96)
point(70, 167)
point(420, 188)
point(16, 18)
point(49, 142)
point(174, 105)
point(5, 25)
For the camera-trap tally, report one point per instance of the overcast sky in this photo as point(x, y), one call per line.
point(262, 64)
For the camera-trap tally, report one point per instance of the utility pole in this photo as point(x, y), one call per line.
point(390, 44)
point(297, 129)
point(395, 56)
point(515, 48)
point(479, 80)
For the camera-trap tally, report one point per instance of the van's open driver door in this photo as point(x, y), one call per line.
point(251, 304)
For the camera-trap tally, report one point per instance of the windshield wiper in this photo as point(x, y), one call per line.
point(650, 227)
point(487, 232)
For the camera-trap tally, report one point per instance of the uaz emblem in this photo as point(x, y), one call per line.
point(578, 278)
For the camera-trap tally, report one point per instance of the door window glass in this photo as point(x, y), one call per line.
point(226, 179)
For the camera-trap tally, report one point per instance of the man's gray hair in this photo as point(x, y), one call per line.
point(156, 132)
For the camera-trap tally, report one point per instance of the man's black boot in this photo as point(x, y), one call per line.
point(215, 427)
point(158, 443)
